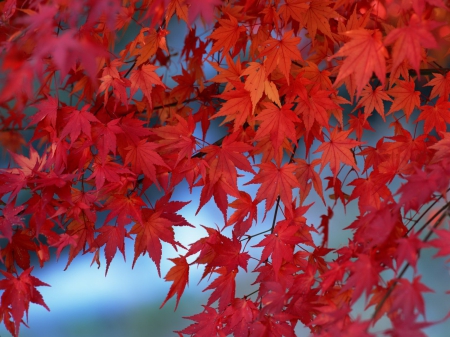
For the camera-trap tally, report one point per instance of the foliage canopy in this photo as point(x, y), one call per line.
point(296, 85)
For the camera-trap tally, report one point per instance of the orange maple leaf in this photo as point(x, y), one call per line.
point(313, 106)
point(180, 8)
point(293, 9)
point(254, 83)
point(226, 75)
point(305, 174)
point(281, 53)
point(226, 35)
point(237, 106)
point(318, 16)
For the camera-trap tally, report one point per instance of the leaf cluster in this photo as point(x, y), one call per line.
point(295, 87)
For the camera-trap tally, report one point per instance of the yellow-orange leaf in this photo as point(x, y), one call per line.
point(226, 35)
point(255, 81)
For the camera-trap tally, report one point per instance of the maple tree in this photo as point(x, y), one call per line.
point(295, 85)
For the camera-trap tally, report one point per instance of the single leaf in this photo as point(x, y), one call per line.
point(317, 17)
point(280, 244)
point(113, 237)
point(441, 85)
point(405, 98)
point(207, 324)
point(255, 82)
point(238, 106)
point(281, 53)
point(337, 150)
point(365, 55)
point(149, 235)
point(277, 123)
point(18, 293)
point(372, 99)
point(46, 109)
point(435, 116)
point(145, 78)
point(224, 288)
point(226, 35)
point(179, 274)
point(143, 158)
point(10, 219)
point(77, 121)
point(239, 316)
point(275, 182)
point(409, 41)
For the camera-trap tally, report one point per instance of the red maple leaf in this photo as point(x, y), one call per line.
point(10, 219)
point(105, 138)
point(314, 106)
point(47, 109)
point(307, 177)
point(405, 98)
point(246, 212)
point(226, 35)
point(278, 123)
point(409, 41)
point(18, 293)
point(77, 121)
point(113, 238)
point(372, 99)
point(365, 54)
point(365, 274)
point(441, 85)
point(178, 138)
point(228, 254)
point(207, 324)
point(239, 316)
point(224, 288)
point(280, 244)
point(143, 158)
point(435, 117)
point(237, 106)
point(179, 274)
point(337, 150)
point(275, 182)
point(407, 296)
point(222, 176)
point(145, 78)
point(359, 123)
point(149, 235)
